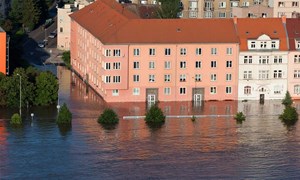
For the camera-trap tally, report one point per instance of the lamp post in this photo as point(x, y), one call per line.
point(32, 115)
point(20, 94)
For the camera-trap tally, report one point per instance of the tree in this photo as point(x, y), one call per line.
point(287, 101)
point(16, 11)
point(31, 13)
point(108, 117)
point(16, 119)
point(289, 115)
point(240, 117)
point(64, 117)
point(155, 116)
point(169, 9)
point(46, 89)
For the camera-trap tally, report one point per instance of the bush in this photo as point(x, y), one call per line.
point(289, 115)
point(64, 116)
point(240, 117)
point(155, 115)
point(108, 117)
point(16, 119)
point(287, 101)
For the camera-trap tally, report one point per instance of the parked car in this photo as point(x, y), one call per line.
point(52, 35)
point(43, 43)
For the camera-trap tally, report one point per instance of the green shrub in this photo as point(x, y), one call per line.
point(193, 118)
point(289, 115)
point(108, 117)
point(155, 115)
point(240, 117)
point(287, 101)
point(64, 116)
point(16, 119)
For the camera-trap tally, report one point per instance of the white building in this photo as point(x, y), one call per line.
point(263, 58)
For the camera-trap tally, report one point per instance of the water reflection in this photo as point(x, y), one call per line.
point(210, 147)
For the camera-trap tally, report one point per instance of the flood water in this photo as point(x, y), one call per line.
point(209, 148)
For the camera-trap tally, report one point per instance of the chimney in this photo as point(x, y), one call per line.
point(235, 19)
point(283, 18)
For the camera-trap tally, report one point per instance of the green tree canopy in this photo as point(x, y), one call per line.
point(287, 101)
point(169, 9)
point(46, 89)
point(64, 116)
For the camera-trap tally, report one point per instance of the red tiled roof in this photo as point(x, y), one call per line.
point(107, 23)
point(293, 29)
point(252, 28)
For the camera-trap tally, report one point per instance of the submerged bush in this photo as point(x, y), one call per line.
point(108, 117)
point(240, 117)
point(64, 116)
point(155, 115)
point(16, 119)
point(289, 115)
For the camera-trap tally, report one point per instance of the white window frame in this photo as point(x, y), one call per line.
point(182, 91)
point(167, 91)
point(136, 65)
point(167, 78)
point(136, 52)
point(136, 91)
point(115, 92)
point(167, 64)
point(213, 90)
point(183, 51)
point(198, 51)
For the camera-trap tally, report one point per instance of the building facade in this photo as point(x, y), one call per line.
point(3, 68)
point(263, 58)
point(255, 11)
point(287, 8)
point(293, 28)
point(127, 59)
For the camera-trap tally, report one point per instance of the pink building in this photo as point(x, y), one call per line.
point(293, 29)
point(127, 59)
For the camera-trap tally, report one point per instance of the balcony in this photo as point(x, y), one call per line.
point(208, 9)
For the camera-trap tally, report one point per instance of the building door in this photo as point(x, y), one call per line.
point(151, 99)
point(262, 98)
point(197, 99)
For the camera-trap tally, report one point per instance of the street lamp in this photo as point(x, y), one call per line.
point(20, 94)
point(32, 115)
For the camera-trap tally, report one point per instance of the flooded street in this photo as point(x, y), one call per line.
point(211, 147)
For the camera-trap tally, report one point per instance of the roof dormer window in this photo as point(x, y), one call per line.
point(298, 44)
point(273, 44)
point(263, 45)
point(252, 45)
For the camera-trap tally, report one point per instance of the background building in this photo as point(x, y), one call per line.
point(288, 8)
point(2, 51)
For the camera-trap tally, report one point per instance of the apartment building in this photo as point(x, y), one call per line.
point(287, 8)
point(263, 58)
point(293, 29)
point(64, 22)
point(128, 59)
point(216, 8)
point(2, 51)
point(255, 11)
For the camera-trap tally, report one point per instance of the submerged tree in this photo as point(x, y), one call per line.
point(46, 89)
point(155, 116)
point(64, 117)
point(290, 115)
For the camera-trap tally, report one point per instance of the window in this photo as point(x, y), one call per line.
point(297, 89)
point(182, 78)
point(182, 64)
point(214, 51)
point(213, 77)
point(263, 45)
point(152, 52)
point(167, 77)
point(298, 45)
point(228, 90)
point(228, 51)
point(297, 58)
point(294, 4)
point(167, 91)
point(229, 64)
point(151, 78)
point(136, 78)
point(247, 59)
point(273, 45)
point(222, 15)
point(116, 79)
point(136, 52)
point(263, 59)
point(247, 90)
point(136, 65)
point(208, 14)
point(234, 4)
point(245, 4)
point(136, 91)
point(213, 90)
point(167, 64)
point(277, 74)
point(198, 51)
point(252, 45)
point(107, 79)
point(197, 77)
point(263, 74)
point(151, 65)
point(117, 52)
point(228, 77)
point(198, 64)
point(277, 89)
point(296, 73)
point(182, 51)
point(116, 65)
point(107, 66)
point(247, 74)
point(115, 92)
point(280, 4)
point(182, 90)
point(277, 59)
point(107, 52)
point(167, 51)
point(222, 4)
point(213, 64)
point(61, 29)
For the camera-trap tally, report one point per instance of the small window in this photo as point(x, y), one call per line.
point(115, 92)
point(183, 51)
point(213, 77)
point(136, 91)
point(182, 78)
point(182, 91)
point(136, 78)
point(228, 90)
point(151, 78)
point(213, 90)
point(136, 52)
point(214, 51)
point(228, 77)
point(167, 91)
point(61, 29)
point(116, 65)
point(117, 52)
point(247, 90)
point(152, 52)
point(167, 51)
point(167, 77)
point(182, 64)
point(198, 64)
point(213, 64)
point(197, 77)
point(229, 51)
point(228, 64)
point(198, 51)
point(151, 65)
point(107, 66)
point(136, 65)
point(167, 64)
point(116, 79)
